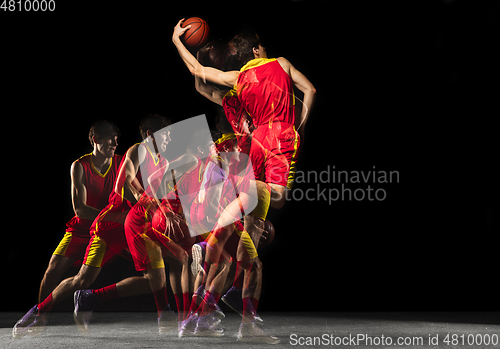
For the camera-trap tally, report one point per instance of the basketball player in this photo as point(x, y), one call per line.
point(172, 220)
point(108, 236)
point(92, 179)
point(147, 247)
point(264, 89)
point(270, 102)
point(107, 241)
point(234, 118)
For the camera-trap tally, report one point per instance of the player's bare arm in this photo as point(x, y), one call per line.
point(206, 73)
point(79, 193)
point(211, 92)
point(127, 177)
point(305, 86)
point(182, 165)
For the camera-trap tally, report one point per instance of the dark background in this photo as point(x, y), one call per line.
point(407, 86)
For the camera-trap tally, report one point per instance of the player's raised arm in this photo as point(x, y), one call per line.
point(210, 92)
point(206, 73)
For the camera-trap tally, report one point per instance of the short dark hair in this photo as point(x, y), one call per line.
point(244, 43)
point(153, 123)
point(201, 139)
point(102, 129)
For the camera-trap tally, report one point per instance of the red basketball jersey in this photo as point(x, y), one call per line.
point(187, 186)
point(265, 91)
point(151, 164)
point(99, 187)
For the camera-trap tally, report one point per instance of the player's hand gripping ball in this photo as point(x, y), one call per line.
point(268, 234)
point(197, 35)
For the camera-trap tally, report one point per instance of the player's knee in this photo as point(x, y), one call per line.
point(51, 272)
point(184, 258)
point(85, 277)
point(81, 282)
point(257, 264)
point(246, 264)
point(57, 266)
point(278, 196)
point(278, 203)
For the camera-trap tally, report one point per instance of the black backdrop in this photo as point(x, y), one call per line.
point(403, 86)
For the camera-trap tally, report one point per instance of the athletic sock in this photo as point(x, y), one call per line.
point(105, 293)
point(255, 303)
point(161, 300)
point(180, 305)
point(185, 300)
point(248, 310)
point(46, 304)
point(197, 296)
point(207, 305)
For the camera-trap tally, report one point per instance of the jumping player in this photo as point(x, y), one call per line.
point(264, 89)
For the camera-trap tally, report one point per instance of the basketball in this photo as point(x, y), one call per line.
point(268, 234)
point(219, 54)
point(197, 35)
point(216, 55)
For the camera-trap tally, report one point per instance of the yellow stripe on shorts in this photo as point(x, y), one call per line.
point(248, 243)
point(64, 244)
point(96, 252)
point(154, 252)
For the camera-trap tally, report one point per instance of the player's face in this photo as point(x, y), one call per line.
point(107, 145)
point(212, 150)
point(164, 139)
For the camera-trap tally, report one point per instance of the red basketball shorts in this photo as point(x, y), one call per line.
point(274, 153)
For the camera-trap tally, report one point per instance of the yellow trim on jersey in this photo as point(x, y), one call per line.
point(291, 172)
point(231, 93)
point(97, 171)
point(156, 159)
point(257, 62)
point(225, 137)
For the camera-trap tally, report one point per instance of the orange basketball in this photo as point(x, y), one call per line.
point(268, 234)
point(197, 35)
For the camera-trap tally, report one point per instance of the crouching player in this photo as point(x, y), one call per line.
point(146, 246)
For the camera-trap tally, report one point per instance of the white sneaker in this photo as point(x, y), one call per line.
point(251, 332)
point(207, 326)
point(188, 326)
